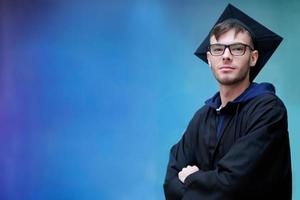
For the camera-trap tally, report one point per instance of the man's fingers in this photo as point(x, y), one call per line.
point(186, 171)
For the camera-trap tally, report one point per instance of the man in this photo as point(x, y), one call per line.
point(236, 146)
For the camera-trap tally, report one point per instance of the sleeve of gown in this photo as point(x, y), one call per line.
point(255, 161)
point(181, 155)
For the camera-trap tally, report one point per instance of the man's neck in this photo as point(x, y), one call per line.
point(230, 92)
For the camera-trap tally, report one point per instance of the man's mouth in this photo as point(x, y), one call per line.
point(226, 68)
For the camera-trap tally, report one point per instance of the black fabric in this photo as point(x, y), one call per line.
point(251, 160)
point(266, 41)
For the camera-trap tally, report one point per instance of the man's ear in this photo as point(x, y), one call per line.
point(208, 56)
point(253, 58)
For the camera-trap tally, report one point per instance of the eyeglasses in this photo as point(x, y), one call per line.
point(236, 49)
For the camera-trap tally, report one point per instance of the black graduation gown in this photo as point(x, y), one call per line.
point(250, 160)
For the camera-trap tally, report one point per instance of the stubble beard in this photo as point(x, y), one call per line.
point(228, 80)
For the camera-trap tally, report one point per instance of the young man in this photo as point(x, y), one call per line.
point(237, 145)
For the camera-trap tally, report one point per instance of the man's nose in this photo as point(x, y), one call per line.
point(227, 55)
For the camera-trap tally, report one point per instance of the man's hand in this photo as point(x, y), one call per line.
point(186, 171)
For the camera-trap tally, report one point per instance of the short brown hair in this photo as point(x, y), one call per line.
point(230, 24)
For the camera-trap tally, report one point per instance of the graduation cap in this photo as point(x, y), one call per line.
point(265, 41)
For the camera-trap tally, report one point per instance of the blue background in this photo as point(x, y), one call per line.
point(94, 93)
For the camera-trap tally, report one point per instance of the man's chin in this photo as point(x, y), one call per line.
point(228, 81)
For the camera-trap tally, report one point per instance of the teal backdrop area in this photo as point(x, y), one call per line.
point(93, 93)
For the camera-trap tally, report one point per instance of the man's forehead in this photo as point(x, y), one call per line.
point(232, 36)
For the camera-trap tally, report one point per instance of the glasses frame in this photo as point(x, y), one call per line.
point(229, 48)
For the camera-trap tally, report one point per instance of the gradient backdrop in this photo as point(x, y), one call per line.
point(94, 93)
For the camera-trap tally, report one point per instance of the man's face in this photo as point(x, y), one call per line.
point(230, 69)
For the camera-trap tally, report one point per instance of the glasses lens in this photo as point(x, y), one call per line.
point(237, 49)
point(217, 49)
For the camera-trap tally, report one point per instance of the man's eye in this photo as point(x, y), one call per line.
point(238, 48)
point(218, 49)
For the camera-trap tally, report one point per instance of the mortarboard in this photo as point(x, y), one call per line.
point(265, 41)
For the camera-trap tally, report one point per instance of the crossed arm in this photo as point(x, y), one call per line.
point(254, 153)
